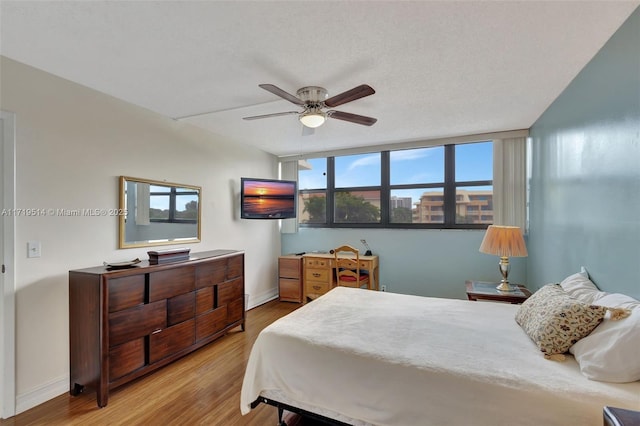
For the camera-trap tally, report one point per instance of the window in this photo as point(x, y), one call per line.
point(446, 186)
point(418, 174)
point(357, 189)
point(312, 192)
point(171, 204)
point(474, 183)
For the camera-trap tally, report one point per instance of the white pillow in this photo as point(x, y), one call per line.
point(618, 300)
point(581, 287)
point(610, 352)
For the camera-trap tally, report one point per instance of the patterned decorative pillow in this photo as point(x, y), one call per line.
point(555, 321)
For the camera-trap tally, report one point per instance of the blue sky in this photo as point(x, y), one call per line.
point(424, 165)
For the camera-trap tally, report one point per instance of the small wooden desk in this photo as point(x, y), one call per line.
point(318, 273)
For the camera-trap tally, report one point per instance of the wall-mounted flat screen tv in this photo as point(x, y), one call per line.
point(268, 198)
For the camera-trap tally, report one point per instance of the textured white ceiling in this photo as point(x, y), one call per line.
point(439, 69)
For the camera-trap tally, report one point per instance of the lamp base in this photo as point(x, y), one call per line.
point(503, 267)
point(504, 286)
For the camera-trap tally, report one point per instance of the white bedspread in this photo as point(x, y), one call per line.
point(388, 359)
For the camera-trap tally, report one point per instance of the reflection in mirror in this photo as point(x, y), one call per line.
point(158, 213)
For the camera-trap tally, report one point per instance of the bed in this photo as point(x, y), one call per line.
point(371, 358)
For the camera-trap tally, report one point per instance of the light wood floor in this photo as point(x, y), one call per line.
point(202, 388)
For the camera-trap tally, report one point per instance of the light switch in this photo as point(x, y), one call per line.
point(33, 249)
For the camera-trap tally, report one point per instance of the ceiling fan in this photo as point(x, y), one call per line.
point(314, 99)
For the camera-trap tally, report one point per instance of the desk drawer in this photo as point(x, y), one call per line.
point(317, 262)
point(316, 287)
point(290, 290)
point(289, 268)
point(316, 275)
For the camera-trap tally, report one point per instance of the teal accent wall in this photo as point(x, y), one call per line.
point(585, 183)
point(423, 262)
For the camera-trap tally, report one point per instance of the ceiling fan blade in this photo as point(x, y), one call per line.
point(275, 114)
point(352, 118)
point(279, 92)
point(350, 95)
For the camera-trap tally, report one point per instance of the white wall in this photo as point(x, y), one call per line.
point(72, 145)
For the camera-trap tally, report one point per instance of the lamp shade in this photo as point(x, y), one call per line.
point(504, 241)
point(313, 118)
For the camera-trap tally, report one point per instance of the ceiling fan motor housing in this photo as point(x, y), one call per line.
point(312, 94)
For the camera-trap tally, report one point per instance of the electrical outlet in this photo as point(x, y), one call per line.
point(383, 287)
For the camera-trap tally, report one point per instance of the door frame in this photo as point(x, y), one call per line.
point(7, 279)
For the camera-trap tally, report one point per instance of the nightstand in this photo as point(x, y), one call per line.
point(481, 290)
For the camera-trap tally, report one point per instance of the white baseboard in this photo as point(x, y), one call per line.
point(40, 394)
point(264, 297)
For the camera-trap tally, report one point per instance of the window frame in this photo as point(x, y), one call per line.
point(449, 188)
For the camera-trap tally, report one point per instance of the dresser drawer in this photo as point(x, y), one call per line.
point(126, 358)
point(172, 282)
point(210, 323)
point(235, 310)
point(230, 291)
point(204, 300)
point(211, 273)
point(171, 340)
point(136, 322)
point(234, 267)
point(316, 275)
point(316, 287)
point(181, 308)
point(126, 292)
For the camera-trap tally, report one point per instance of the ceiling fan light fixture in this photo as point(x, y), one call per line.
point(313, 119)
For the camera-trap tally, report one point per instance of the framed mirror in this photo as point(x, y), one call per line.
point(158, 213)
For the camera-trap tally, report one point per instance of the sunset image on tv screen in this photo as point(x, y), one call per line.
point(268, 199)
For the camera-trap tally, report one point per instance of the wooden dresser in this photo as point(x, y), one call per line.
point(128, 322)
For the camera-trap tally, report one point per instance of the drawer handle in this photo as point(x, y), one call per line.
point(316, 274)
point(316, 287)
point(156, 332)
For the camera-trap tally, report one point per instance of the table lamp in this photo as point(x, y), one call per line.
point(504, 241)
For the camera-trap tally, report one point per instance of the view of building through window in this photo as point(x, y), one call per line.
point(416, 182)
